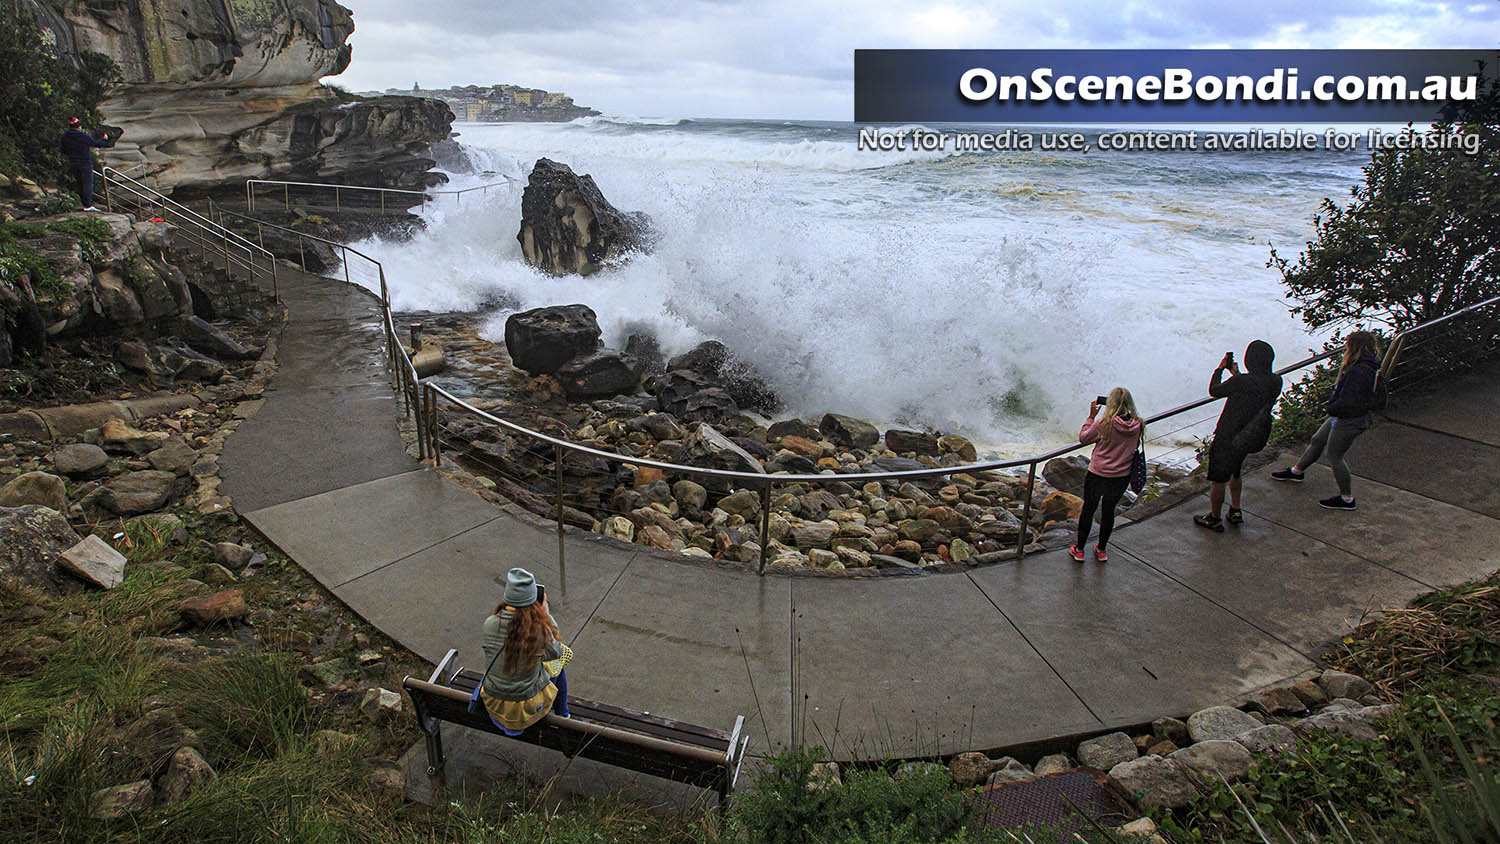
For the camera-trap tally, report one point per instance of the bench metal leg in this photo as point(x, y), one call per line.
point(437, 768)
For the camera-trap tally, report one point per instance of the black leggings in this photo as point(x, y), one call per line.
point(1097, 488)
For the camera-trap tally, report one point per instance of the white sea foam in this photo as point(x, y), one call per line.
point(991, 294)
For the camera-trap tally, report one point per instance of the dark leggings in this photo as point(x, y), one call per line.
point(85, 178)
point(1097, 489)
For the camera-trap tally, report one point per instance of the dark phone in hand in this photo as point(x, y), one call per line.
point(1102, 400)
point(541, 594)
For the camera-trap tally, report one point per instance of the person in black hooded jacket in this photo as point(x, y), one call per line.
point(1350, 414)
point(79, 146)
point(1244, 427)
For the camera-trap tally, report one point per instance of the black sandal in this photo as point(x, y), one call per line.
point(1235, 516)
point(1209, 521)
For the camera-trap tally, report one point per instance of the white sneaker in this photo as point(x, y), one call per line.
point(90, 208)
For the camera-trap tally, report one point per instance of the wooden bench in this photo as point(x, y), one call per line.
point(686, 753)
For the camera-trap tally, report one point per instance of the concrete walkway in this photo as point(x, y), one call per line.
point(1179, 619)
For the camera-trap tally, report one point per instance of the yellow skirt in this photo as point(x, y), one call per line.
point(517, 715)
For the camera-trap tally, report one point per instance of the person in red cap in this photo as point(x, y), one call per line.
point(78, 146)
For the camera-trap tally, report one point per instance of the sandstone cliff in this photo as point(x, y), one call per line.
point(217, 91)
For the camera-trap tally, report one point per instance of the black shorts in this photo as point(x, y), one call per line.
point(1224, 463)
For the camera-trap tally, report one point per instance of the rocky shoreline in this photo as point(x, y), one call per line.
point(688, 410)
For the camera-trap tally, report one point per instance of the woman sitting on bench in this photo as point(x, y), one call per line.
point(521, 639)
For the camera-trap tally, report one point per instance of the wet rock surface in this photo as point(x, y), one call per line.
point(567, 226)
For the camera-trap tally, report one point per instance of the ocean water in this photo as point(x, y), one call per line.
point(991, 294)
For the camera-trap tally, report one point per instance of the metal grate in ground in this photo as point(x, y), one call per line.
point(1042, 808)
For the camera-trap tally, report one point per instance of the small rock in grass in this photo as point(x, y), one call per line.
point(1339, 684)
point(380, 701)
point(232, 555)
point(1219, 722)
point(122, 800)
point(1154, 781)
point(95, 561)
point(1272, 738)
point(1225, 760)
point(1009, 770)
point(969, 768)
point(220, 606)
point(186, 773)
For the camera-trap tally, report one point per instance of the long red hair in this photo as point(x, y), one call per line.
point(530, 627)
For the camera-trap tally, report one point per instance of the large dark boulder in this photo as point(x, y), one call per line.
point(567, 226)
point(908, 442)
point(691, 396)
point(604, 372)
point(540, 341)
point(742, 381)
point(32, 538)
point(1067, 473)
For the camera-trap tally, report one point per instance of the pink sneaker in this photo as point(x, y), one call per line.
point(1076, 553)
point(1100, 555)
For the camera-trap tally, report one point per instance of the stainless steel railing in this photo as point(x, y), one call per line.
point(425, 401)
point(422, 196)
point(254, 262)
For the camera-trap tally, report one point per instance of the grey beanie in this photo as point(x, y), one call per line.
point(520, 588)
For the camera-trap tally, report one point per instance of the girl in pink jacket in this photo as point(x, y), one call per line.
point(1117, 434)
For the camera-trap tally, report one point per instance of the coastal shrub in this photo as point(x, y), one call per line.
point(786, 807)
point(42, 90)
point(1419, 239)
point(1299, 411)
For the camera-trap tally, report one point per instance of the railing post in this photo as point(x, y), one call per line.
point(104, 183)
point(409, 388)
point(765, 525)
point(286, 197)
point(228, 267)
point(302, 252)
point(249, 197)
point(336, 206)
point(346, 264)
point(432, 428)
point(382, 201)
point(561, 554)
point(1026, 513)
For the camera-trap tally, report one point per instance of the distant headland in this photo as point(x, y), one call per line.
point(501, 103)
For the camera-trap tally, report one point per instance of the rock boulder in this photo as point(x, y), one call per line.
point(32, 539)
point(35, 488)
point(567, 226)
point(542, 340)
point(604, 372)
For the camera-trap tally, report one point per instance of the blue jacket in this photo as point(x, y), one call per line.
point(78, 146)
point(1354, 394)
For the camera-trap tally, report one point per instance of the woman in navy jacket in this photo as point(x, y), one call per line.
point(1349, 415)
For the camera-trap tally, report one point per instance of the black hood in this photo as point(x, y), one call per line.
point(1259, 356)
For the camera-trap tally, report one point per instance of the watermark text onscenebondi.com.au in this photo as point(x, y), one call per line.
point(1003, 140)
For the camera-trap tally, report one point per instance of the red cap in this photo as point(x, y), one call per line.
point(72, 121)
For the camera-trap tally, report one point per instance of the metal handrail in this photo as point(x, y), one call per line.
point(149, 197)
point(337, 189)
point(421, 402)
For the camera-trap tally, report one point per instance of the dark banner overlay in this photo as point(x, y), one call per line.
point(1163, 86)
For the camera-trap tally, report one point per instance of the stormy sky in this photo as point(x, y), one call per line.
point(794, 58)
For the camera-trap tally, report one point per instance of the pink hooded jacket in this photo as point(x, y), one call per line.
point(1113, 454)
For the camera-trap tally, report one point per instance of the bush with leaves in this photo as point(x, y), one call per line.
point(42, 90)
point(787, 806)
point(1419, 239)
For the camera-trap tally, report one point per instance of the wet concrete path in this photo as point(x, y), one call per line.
point(1178, 620)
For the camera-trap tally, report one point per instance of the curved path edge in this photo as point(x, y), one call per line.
point(991, 658)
